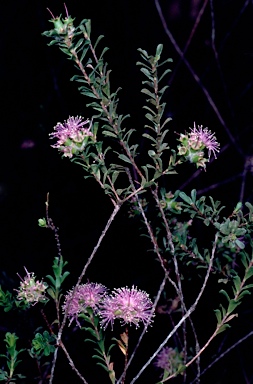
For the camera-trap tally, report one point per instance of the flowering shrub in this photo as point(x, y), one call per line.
point(105, 148)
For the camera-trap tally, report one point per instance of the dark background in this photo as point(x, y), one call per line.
point(36, 93)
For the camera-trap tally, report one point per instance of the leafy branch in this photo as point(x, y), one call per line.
point(11, 359)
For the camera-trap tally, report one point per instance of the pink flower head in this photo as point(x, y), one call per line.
point(31, 291)
point(86, 295)
point(169, 359)
point(128, 305)
point(200, 137)
point(71, 135)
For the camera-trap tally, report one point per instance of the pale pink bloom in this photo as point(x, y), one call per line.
point(85, 295)
point(71, 135)
point(131, 306)
point(200, 136)
point(169, 359)
point(31, 291)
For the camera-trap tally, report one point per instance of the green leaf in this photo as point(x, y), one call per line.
point(111, 346)
point(181, 368)
point(149, 137)
point(51, 293)
point(249, 273)
point(51, 279)
point(149, 109)
point(104, 366)
point(147, 73)
point(243, 293)
point(237, 282)
point(107, 188)
point(250, 207)
point(248, 286)
point(143, 64)
point(91, 331)
point(114, 176)
point(98, 40)
point(165, 62)
point(193, 195)
point(42, 223)
point(124, 158)
point(128, 134)
point(232, 305)
point(85, 49)
point(240, 244)
point(98, 357)
point(101, 345)
point(163, 147)
point(150, 117)
point(218, 315)
point(79, 43)
point(146, 174)
point(151, 153)
point(66, 273)
point(107, 133)
point(159, 50)
point(144, 53)
point(3, 374)
point(165, 122)
point(103, 52)
point(91, 341)
point(225, 294)
point(147, 92)
point(88, 26)
point(161, 92)
point(245, 260)
point(87, 93)
point(164, 74)
point(119, 191)
point(186, 198)
point(150, 166)
point(223, 328)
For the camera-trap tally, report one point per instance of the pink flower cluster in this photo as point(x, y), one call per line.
point(130, 306)
point(31, 291)
point(200, 137)
point(85, 295)
point(193, 144)
point(169, 359)
point(71, 136)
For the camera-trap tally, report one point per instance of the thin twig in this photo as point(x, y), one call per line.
point(236, 20)
point(71, 363)
point(218, 184)
point(225, 319)
point(224, 354)
point(200, 14)
point(216, 57)
point(50, 225)
point(188, 313)
point(59, 336)
point(196, 78)
point(172, 250)
point(180, 290)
